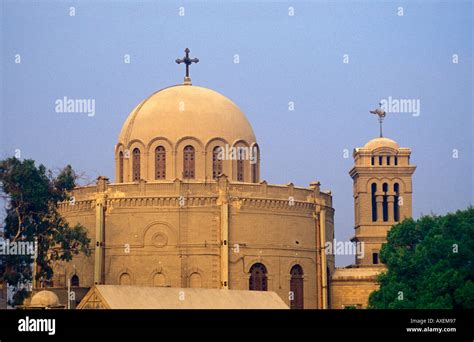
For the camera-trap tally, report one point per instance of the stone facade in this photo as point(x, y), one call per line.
point(171, 234)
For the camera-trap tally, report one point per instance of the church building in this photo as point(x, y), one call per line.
point(188, 209)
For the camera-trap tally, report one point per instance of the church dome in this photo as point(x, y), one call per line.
point(175, 132)
point(381, 142)
point(186, 111)
point(44, 298)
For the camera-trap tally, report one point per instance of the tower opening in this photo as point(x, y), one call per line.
point(385, 202)
point(374, 202)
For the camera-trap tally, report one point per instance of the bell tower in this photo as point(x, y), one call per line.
point(382, 176)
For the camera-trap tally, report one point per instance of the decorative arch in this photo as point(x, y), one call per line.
point(396, 207)
point(189, 162)
point(75, 281)
point(120, 167)
point(217, 161)
point(241, 167)
point(255, 163)
point(384, 150)
point(152, 160)
point(157, 227)
point(258, 280)
point(136, 164)
point(195, 280)
point(199, 160)
point(159, 141)
point(374, 187)
point(158, 278)
point(136, 142)
point(385, 190)
point(215, 141)
point(124, 277)
point(184, 141)
point(226, 164)
point(297, 287)
point(120, 163)
point(134, 168)
point(160, 162)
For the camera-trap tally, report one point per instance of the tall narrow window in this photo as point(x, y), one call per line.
point(254, 160)
point(372, 160)
point(240, 166)
point(380, 161)
point(160, 163)
point(396, 208)
point(385, 202)
point(216, 162)
point(296, 287)
point(258, 278)
point(375, 258)
point(396, 160)
point(388, 160)
point(121, 167)
point(188, 162)
point(374, 202)
point(136, 164)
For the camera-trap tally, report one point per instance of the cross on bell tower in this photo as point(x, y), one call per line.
point(187, 61)
point(381, 114)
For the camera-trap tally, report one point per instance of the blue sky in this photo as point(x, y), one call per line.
point(282, 58)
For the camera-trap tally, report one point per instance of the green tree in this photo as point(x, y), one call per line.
point(32, 195)
point(430, 264)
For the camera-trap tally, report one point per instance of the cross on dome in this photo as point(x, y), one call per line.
point(187, 61)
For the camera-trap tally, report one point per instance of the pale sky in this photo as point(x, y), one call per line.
point(282, 59)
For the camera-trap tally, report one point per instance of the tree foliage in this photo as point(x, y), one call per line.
point(32, 195)
point(430, 264)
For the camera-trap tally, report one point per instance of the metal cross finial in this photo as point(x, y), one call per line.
point(381, 114)
point(186, 60)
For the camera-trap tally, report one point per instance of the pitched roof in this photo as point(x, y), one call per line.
point(148, 297)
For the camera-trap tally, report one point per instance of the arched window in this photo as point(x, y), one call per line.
point(396, 207)
point(120, 167)
point(372, 160)
point(258, 278)
point(195, 280)
point(255, 157)
point(385, 202)
point(380, 161)
point(74, 281)
point(159, 279)
point(216, 162)
point(388, 160)
point(374, 202)
point(296, 287)
point(125, 279)
point(396, 160)
point(188, 162)
point(136, 164)
point(240, 166)
point(160, 163)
